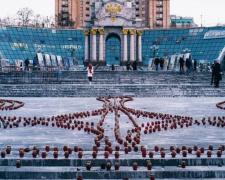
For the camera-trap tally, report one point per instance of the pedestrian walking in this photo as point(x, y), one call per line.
point(90, 72)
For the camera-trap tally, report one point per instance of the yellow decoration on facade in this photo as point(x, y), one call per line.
point(125, 31)
point(113, 18)
point(132, 31)
point(139, 32)
point(101, 31)
point(94, 31)
point(86, 32)
point(113, 8)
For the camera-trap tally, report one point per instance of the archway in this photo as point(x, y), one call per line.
point(113, 49)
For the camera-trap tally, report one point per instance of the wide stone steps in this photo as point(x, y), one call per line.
point(93, 90)
point(105, 78)
point(72, 168)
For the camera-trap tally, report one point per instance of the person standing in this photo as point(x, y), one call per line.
point(181, 62)
point(195, 65)
point(217, 74)
point(213, 74)
point(90, 72)
point(134, 65)
point(128, 65)
point(35, 63)
point(161, 62)
point(21, 66)
point(188, 64)
point(156, 62)
point(113, 67)
point(27, 62)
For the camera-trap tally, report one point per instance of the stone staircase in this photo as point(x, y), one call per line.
point(72, 168)
point(118, 83)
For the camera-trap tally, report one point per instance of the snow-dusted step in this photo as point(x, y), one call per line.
point(164, 162)
point(95, 90)
point(122, 173)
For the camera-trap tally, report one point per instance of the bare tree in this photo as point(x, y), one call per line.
point(64, 20)
point(7, 20)
point(25, 16)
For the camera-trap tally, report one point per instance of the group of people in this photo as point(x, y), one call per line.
point(215, 69)
point(159, 62)
point(27, 63)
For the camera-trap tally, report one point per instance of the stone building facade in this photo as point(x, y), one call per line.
point(153, 13)
point(113, 20)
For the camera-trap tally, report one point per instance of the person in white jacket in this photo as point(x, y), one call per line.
point(90, 72)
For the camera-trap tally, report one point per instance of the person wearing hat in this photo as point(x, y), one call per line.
point(217, 74)
point(90, 72)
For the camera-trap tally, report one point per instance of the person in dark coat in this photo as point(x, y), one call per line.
point(181, 62)
point(195, 65)
point(134, 65)
point(113, 67)
point(218, 74)
point(156, 62)
point(213, 74)
point(188, 64)
point(161, 62)
point(27, 62)
point(128, 65)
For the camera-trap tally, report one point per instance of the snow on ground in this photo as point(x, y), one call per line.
point(53, 136)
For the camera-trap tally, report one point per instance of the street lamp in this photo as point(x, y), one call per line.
point(154, 48)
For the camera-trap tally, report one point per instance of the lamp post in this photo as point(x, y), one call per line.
point(154, 48)
point(201, 20)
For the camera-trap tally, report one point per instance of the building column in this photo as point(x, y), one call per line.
point(94, 32)
point(125, 31)
point(86, 56)
point(139, 45)
point(132, 33)
point(101, 32)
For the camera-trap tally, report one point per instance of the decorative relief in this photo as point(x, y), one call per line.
point(94, 31)
point(101, 31)
point(113, 8)
point(125, 31)
point(139, 32)
point(113, 18)
point(86, 32)
point(132, 31)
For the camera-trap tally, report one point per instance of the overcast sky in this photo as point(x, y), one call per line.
point(212, 11)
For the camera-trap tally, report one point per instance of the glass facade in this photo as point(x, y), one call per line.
point(113, 50)
point(176, 40)
point(21, 43)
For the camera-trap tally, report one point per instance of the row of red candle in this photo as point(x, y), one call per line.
point(13, 104)
point(218, 105)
